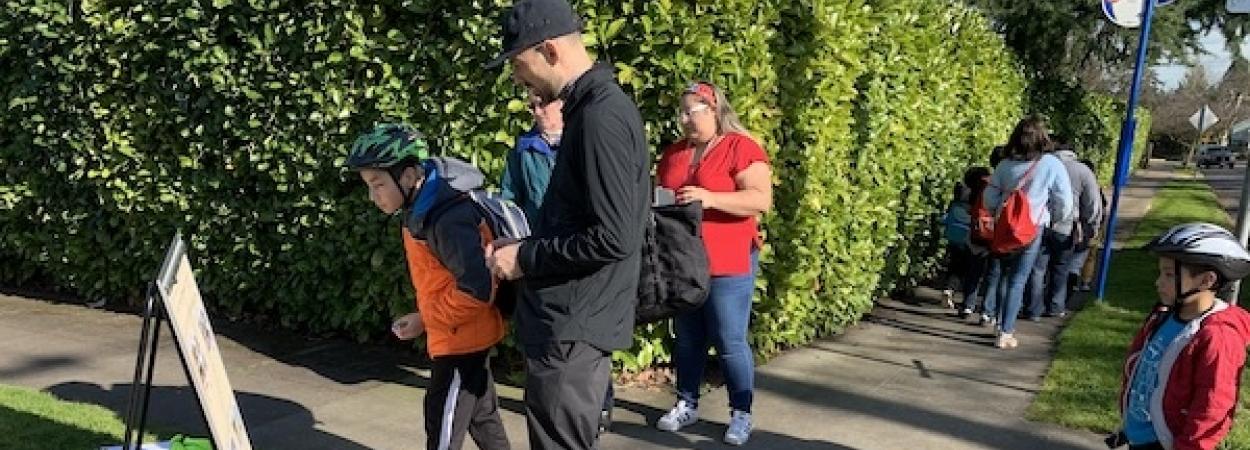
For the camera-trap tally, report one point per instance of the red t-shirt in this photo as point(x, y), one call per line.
point(729, 238)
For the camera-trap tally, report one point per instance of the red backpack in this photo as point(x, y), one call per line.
point(982, 221)
point(1013, 229)
point(982, 224)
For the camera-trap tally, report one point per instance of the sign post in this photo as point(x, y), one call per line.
point(1127, 132)
point(1201, 120)
point(1243, 222)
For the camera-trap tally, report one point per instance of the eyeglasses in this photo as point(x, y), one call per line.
point(535, 106)
point(688, 113)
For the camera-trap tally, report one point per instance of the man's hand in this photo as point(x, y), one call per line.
point(501, 257)
point(408, 327)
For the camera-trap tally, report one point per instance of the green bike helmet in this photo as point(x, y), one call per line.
point(386, 146)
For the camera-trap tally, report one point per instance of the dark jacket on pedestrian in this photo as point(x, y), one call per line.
point(581, 266)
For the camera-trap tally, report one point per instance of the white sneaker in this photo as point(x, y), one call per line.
point(680, 416)
point(739, 428)
point(948, 298)
point(987, 321)
point(1006, 341)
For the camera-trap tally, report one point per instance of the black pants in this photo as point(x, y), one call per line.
point(1154, 446)
point(565, 386)
point(966, 271)
point(462, 398)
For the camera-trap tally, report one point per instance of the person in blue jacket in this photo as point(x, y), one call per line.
point(529, 166)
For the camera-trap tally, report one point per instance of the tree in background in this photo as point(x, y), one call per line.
point(1059, 38)
point(1231, 94)
point(1068, 48)
point(1173, 133)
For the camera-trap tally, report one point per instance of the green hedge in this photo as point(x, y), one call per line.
point(229, 120)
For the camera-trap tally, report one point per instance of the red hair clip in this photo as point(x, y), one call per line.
point(704, 91)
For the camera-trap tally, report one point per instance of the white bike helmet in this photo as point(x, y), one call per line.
point(1206, 245)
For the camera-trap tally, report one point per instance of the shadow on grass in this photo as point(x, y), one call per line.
point(22, 430)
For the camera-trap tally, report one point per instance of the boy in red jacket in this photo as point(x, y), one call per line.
point(1180, 380)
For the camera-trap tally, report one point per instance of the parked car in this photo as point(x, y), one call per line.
point(1216, 157)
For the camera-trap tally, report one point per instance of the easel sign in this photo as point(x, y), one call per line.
point(175, 296)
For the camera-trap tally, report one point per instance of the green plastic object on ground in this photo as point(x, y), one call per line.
point(181, 442)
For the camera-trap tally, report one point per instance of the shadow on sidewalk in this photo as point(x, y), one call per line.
point(338, 359)
point(925, 372)
point(711, 431)
point(957, 336)
point(893, 315)
point(175, 409)
point(957, 428)
point(38, 364)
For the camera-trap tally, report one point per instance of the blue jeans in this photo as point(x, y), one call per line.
point(1014, 274)
point(723, 320)
point(1078, 261)
point(1049, 280)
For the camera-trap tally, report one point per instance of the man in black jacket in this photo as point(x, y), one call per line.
point(580, 268)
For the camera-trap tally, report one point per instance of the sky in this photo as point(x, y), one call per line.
point(1216, 61)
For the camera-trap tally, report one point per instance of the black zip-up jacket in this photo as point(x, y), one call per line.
point(581, 265)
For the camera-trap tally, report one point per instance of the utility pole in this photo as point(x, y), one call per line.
point(1124, 156)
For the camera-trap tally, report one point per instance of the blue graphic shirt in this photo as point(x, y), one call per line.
point(1138, 424)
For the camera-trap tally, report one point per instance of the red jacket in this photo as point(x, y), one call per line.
point(1199, 376)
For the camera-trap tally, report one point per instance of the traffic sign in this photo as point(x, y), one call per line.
point(1203, 119)
point(1125, 13)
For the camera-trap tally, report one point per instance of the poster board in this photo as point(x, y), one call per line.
point(197, 346)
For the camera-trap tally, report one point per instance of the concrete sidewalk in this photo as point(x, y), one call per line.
point(1226, 183)
point(1137, 196)
point(910, 376)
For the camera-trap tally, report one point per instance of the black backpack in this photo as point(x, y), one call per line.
point(675, 276)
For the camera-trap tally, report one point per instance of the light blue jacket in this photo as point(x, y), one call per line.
point(1049, 191)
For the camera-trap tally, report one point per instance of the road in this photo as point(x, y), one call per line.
point(1227, 186)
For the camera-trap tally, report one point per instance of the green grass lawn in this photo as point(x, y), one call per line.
point(34, 420)
point(1082, 387)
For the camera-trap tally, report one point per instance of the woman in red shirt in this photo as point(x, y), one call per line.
point(721, 165)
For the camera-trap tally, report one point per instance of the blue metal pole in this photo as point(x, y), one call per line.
point(1126, 147)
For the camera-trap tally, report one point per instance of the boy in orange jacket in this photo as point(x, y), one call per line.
point(445, 236)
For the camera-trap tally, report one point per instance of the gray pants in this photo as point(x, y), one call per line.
point(565, 387)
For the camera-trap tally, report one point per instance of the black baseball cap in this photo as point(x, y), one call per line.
point(532, 21)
